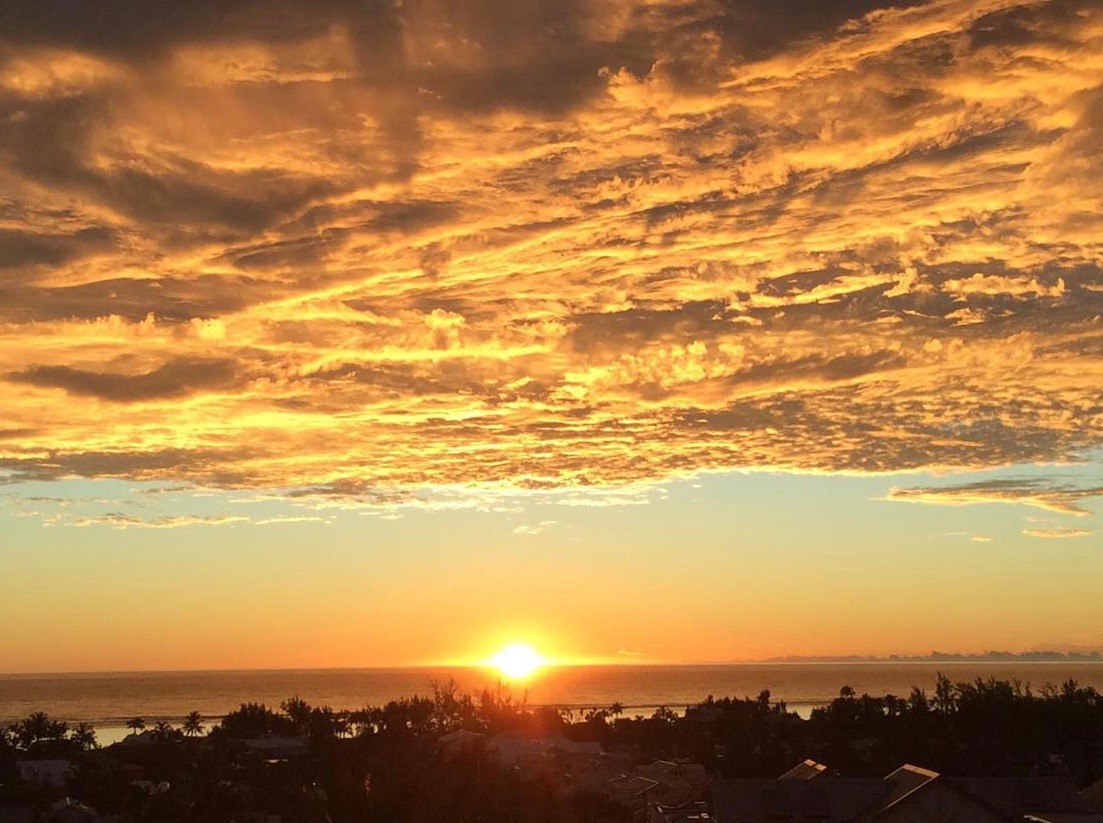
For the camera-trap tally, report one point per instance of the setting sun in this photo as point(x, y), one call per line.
point(517, 661)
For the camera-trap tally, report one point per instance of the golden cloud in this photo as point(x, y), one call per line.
point(360, 248)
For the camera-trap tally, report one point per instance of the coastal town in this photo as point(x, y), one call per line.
point(551, 411)
point(452, 757)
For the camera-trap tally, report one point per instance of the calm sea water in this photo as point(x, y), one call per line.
point(108, 700)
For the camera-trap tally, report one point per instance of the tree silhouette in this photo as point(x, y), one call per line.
point(394, 769)
point(665, 714)
point(84, 736)
point(136, 724)
point(193, 724)
point(255, 720)
point(299, 711)
point(36, 728)
point(944, 694)
point(163, 730)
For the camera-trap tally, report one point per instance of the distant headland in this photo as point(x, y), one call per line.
point(1040, 656)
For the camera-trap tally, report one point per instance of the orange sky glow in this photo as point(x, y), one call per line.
point(401, 332)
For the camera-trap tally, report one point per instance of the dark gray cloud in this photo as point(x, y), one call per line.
point(1046, 493)
point(196, 464)
point(534, 54)
point(170, 299)
point(756, 30)
point(139, 30)
point(1025, 24)
point(176, 378)
point(19, 248)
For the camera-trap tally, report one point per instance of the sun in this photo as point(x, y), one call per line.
point(517, 661)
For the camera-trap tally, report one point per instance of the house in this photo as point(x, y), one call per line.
point(574, 747)
point(679, 782)
point(919, 795)
point(1093, 796)
point(132, 772)
point(671, 787)
point(575, 757)
point(512, 749)
point(806, 770)
point(17, 813)
point(277, 748)
point(903, 782)
point(694, 812)
point(1016, 797)
point(460, 740)
point(68, 810)
point(839, 800)
point(633, 792)
point(671, 771)
point(138, 740)
point(910, 794)
point(51, 773)
point(515, 750)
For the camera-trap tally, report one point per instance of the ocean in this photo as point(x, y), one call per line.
point(107, 700)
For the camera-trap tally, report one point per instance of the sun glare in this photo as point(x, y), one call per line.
point(517, 661)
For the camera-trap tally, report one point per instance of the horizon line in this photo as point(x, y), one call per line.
point(931, 657)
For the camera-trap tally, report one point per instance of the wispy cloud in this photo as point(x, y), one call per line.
point(403, 247)
point(274, 521)
point(1057, 534)
point(125, 521)
point(973, 538)
point(534, 528)
point(1048, 495)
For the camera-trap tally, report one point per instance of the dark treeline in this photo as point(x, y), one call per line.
point(977, 728)
point(387, 763)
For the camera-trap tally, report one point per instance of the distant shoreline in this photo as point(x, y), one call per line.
point(1092, 656)
point(933, 658)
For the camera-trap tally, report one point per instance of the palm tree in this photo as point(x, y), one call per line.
point(193, 724)
point(136, 723)
point(37, 726)
point(163, 730)
point(84, 736)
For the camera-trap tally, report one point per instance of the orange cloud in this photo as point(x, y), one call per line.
point(365, 250)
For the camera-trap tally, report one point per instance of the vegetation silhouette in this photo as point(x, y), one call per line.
point(193, 724)
point(387, 763)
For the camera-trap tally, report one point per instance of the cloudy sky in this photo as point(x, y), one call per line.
point(649, 329)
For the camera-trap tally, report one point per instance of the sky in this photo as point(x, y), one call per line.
point(342, 333)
